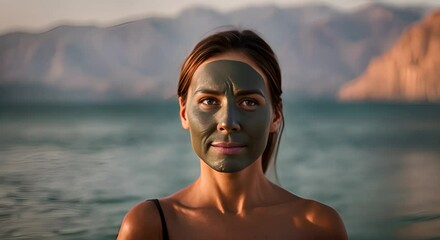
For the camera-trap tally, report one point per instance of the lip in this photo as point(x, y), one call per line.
point(228, 147)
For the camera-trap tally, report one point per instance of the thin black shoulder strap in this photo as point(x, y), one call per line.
point(162, 219)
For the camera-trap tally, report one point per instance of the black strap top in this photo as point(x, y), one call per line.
point(162, 219)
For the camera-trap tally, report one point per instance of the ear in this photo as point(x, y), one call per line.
point(277, 119)
point(182, 113)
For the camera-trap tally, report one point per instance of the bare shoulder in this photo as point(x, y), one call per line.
point(311, 219)
point(141, 222)
point(323, 218)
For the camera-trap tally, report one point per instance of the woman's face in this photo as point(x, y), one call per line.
point(229, 113)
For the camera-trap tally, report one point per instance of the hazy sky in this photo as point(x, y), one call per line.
point(39, 15)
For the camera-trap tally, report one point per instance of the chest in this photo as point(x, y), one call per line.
point(205, 225)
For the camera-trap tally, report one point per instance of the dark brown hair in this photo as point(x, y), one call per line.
point(258, 51)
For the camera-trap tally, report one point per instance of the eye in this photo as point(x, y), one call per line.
point(209, 101)
point(249, 104)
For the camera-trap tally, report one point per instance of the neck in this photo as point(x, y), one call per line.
point(232, 192)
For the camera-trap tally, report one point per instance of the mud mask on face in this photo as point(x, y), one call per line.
point(229, 113)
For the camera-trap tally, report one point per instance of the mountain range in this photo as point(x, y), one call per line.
point(409, 71)
point(319, 49)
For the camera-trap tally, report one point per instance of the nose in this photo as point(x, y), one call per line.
point(228, 120)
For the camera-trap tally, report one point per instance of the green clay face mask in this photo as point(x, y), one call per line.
point(229, 113)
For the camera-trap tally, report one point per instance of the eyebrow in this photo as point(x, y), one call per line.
point(239, 93)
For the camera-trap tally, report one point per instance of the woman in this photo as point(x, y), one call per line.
point(230, 101)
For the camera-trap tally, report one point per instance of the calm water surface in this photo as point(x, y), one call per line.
point(73, 171)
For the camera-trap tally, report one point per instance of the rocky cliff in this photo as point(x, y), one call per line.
point(409, 71)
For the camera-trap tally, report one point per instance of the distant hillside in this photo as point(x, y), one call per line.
point(319, 50)
point(409, 71)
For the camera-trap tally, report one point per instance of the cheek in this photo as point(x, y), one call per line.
point(258, 129)
point(201, 123)
point(258, 122)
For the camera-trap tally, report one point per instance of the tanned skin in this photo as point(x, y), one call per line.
point(239, 205)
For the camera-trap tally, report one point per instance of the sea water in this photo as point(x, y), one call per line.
point(71, 171)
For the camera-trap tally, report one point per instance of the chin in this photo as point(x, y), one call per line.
point(225, 167)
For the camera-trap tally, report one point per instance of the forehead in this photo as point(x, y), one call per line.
point(219, 73)
point(237, 56)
